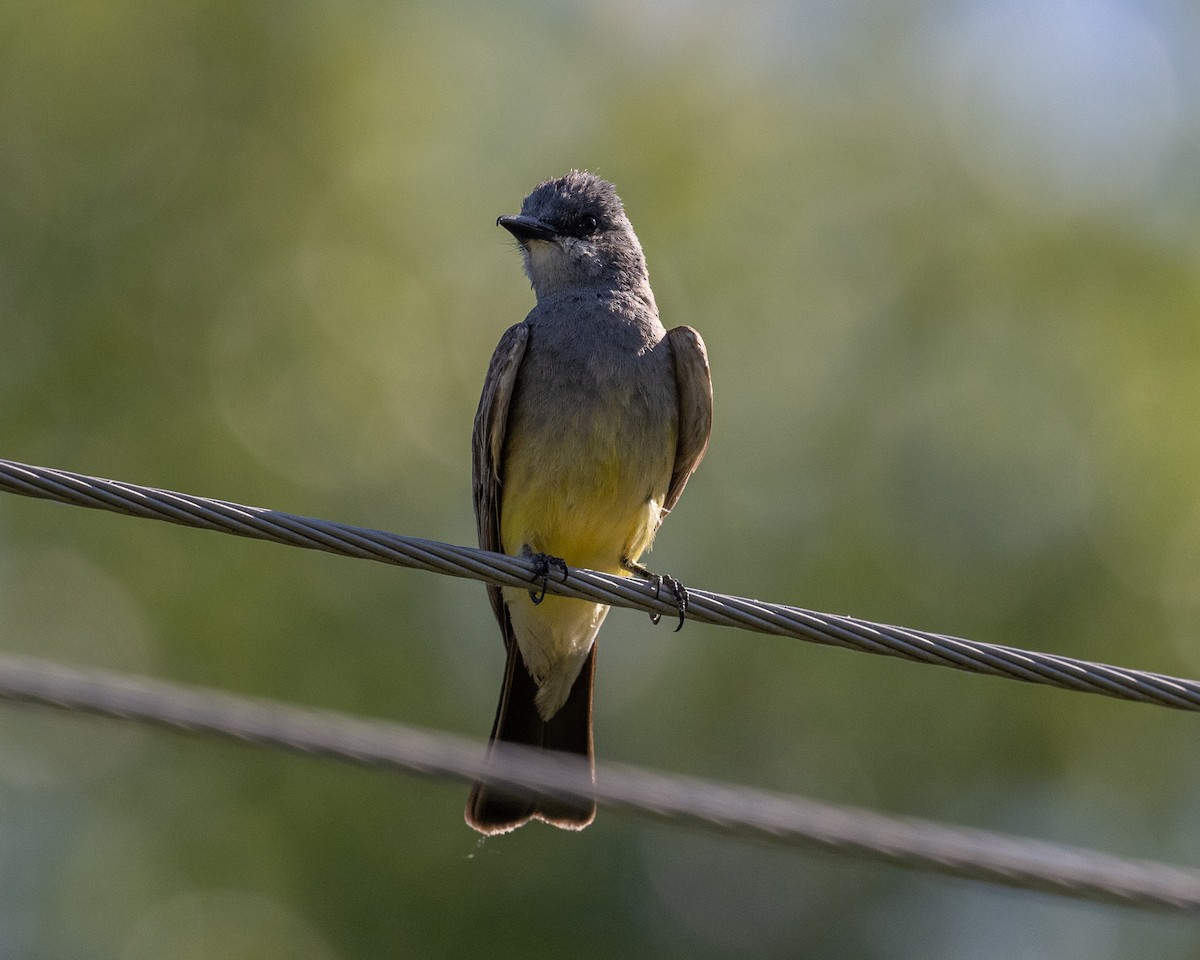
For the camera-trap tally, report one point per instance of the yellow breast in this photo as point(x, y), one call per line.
point(587, 501)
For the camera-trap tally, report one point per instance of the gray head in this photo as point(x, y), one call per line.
point(574, 233)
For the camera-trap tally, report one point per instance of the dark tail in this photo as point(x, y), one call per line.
point(494, 810)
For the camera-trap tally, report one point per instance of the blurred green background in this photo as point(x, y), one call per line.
point(945, 256)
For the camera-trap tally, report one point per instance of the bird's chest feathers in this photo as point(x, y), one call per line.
point(593, 436)
point(590, 444)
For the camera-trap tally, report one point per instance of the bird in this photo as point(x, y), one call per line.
point(592, 419)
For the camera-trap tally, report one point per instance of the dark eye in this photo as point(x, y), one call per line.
point(589, 222)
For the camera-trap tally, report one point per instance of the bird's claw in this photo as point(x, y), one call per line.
point(678, 590)
point(658, 582)
point(543, 563)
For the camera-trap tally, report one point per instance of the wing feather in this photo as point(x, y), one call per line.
point(487, 447)
point(693, 384)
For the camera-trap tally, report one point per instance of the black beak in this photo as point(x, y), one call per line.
point(526, 228)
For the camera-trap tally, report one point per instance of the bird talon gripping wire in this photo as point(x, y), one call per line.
point(681, 599)
point(543, 563)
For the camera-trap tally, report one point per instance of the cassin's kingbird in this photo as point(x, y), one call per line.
point(592, 419)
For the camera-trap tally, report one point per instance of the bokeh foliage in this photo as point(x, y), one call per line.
point(247, 251)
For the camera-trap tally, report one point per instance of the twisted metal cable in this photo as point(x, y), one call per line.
point(792, 821)
point(840, 631)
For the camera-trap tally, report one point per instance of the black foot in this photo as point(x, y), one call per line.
point(543, 563)
point(678, 590)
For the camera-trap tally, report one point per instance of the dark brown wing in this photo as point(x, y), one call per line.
point(693, 383)
point(487, 446)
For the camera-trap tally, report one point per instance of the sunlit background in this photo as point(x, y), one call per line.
point(946, 259)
